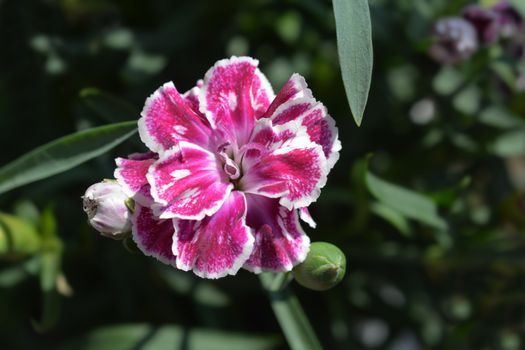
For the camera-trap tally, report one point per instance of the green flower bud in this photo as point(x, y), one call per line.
point(323, 268)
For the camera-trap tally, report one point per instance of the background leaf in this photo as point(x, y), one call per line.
point(169, 337)
point(407, 202)
point(354, 44)
point(17, 237)
point(519, 5)
point(63, 154)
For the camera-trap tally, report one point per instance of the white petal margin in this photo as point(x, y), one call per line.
point(259, 173)
point(191, 259)
point(265, 87)
point(304, 214)
point(152, 235)
point(217, 181)
point(301, 110)
point(169, 117)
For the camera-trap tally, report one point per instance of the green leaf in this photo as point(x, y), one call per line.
point(18, 238)
point(505, 71)
point(169, 337)
point(354, 44)
point(468, 100)
point(409, 203)
point(110, 108)
point(448, 80)
point(50, 269)
point(63, 154)
point(500, 117)
point(509, 144)
point(13, 275)
point(519, 6)
point(392, 216)
point(291, 317)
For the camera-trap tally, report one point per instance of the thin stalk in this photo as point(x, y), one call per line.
point(291, 317)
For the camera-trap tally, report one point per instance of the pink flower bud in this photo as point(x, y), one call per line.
point(107, 209)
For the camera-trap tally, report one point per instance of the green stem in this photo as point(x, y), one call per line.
point(290, 315)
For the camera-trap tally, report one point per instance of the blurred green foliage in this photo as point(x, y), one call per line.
point(447, 143)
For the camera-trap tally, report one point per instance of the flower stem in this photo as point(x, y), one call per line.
point(291, 317)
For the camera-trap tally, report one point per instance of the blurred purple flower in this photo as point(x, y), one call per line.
point(509, 20)
point(485, 21)
point(456, 40)
point(493, 23)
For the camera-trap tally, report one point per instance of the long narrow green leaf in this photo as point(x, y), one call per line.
point(291, 317)
point(63, 154)
point(169, 337)
point(409, 203)
point(354, 44)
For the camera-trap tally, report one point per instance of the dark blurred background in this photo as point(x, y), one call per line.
point(453, 133)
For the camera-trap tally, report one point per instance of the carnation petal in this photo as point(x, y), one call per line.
point(168, 118)
point(187, 183)
point(291, 167)
point(219, 244)
point(152, 235)
point(235, 93)
point(322, 130)
point(294, 88)
point(131, 175)
point(280, 242)
point(305, 215)
point(319, 124)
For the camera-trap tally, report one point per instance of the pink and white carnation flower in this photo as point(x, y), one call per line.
point(230, 171)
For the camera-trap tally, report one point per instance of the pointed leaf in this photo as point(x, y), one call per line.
point(354, 44)
point(63, 154)
point(409, 203)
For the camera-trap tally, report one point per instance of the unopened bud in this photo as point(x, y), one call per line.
point(108, 209)
point(323, 268)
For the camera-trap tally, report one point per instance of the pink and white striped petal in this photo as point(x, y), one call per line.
point(304, 214)
point(168, 118)
point(292, 167)
point(187, 182)
point(295, 88)
point(280, 242)
point(131, 175)
point(322, 130)
point(218, 245)
point(192, 97)
point(319, 125)
point(234, 95)
point(153, 236)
